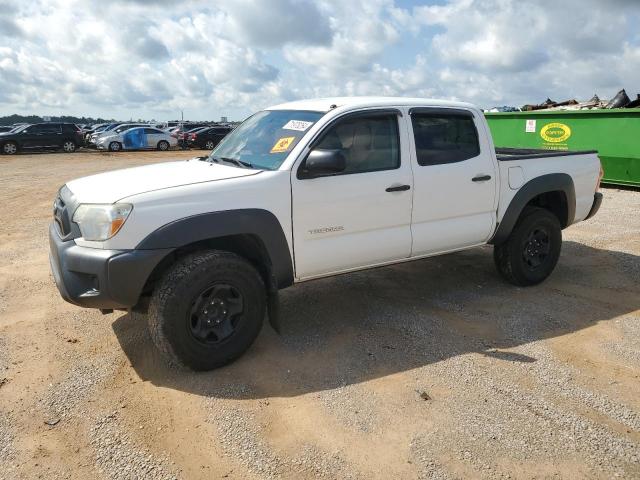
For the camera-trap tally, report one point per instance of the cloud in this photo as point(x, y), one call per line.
point(275, 23)
point(145, 58)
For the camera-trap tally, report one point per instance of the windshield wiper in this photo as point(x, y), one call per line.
point(233, 161)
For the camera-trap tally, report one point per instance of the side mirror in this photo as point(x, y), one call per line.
point(322, 163)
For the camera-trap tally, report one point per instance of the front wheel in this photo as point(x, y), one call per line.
point(10, 148)
point(207, 310)
point(532, 250)
point(163, 145)
point(115, 147)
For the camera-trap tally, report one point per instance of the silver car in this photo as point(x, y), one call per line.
point(95, 137)
point(138, 138)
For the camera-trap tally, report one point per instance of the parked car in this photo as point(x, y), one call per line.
point(179, 129)
point(112, 129)
point(302, 191)
point(6, 128)
point(93, 134)
point(42, 136)
point(93, 128)
point(208, 138)
point(183, 135)
point(138, 138)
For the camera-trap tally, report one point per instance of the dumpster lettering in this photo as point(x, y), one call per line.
point(555, 133)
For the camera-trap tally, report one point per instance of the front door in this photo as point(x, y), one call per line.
point(361, 216)
point(455, 181)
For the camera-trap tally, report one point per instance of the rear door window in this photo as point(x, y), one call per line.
point(45, 129)
point(442, 138)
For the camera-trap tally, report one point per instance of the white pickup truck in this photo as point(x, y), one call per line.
point(301, 191)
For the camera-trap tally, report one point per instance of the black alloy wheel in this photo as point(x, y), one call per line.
point(215, 313)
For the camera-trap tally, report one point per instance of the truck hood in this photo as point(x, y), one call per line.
point(112, 186)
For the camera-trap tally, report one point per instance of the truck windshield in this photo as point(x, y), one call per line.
point(265, 139)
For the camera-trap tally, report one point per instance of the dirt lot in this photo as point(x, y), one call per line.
point(434, 369)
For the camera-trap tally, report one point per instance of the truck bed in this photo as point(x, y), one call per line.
point(507, 154)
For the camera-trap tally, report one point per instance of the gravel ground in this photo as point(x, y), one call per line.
point(435, 369)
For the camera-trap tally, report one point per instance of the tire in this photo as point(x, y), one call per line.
point(207, 310)
point(115, 147)
point(163, 145)
point(10, 148)
point(69, 146)
point(210, 145)
point(532, 250)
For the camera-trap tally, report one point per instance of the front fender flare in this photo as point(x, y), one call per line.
point(207, 226)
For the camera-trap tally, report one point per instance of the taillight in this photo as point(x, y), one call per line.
point(193, 136)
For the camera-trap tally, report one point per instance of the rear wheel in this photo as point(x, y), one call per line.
point(69, 146)
point(163, 145)
point(207, 310)
point(115, 147)
point(209, 145)
point(10, 148)
point(532, 250)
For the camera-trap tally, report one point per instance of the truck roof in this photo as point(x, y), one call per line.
point(326, 104)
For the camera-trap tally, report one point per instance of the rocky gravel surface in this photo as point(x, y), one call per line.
point(430, 370)
point(118, 456)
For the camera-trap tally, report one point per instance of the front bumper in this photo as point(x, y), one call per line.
point(597, 201)
point(96, 278)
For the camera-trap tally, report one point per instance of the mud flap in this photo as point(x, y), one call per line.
point(273, 306)
point(273, 310)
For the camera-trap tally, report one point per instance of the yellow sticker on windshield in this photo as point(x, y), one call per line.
point(283, 145)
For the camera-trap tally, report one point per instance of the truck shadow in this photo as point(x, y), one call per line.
point(366, 325)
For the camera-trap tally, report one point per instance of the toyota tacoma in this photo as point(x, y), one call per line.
point(200, 248)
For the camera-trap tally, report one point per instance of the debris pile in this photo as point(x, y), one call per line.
point(621, 100)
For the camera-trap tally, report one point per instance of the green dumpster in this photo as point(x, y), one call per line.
point(615, 134)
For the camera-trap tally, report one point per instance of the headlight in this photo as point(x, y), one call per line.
point(101, 222)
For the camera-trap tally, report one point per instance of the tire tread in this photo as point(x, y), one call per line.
point(502, 256)
point(170, 282)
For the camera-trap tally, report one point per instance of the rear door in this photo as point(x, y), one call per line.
point(360, 217)
point(153, 137)
point(218, 134)
point(213, 135)
point(455, 174)
point(42, 136)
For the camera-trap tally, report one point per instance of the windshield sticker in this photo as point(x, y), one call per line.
point(283, 145)
point(297, 125)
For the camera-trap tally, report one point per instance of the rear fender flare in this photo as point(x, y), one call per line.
point(546, 183)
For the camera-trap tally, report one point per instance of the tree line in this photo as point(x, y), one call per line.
point(11, 119)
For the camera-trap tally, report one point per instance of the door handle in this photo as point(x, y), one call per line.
point(481, 178)
point(399, 188)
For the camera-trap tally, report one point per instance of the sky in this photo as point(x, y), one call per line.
point(155, 58)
